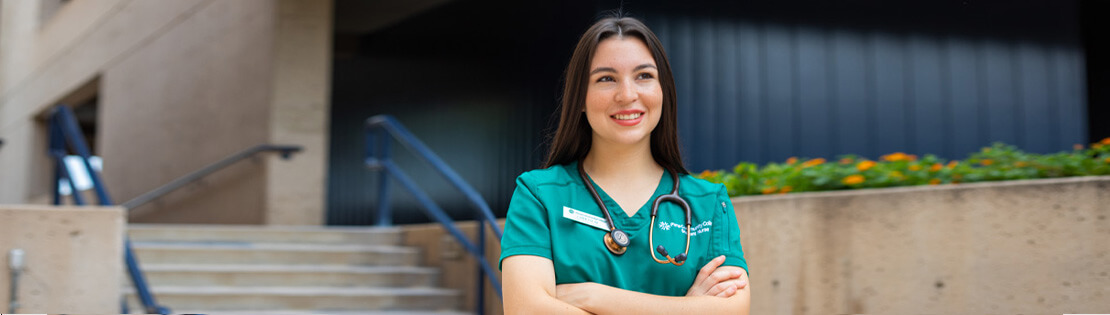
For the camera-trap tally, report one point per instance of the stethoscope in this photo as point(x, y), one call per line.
point(617, 240)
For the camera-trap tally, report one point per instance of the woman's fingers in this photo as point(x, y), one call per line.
point(727, 288)
point(709, 268)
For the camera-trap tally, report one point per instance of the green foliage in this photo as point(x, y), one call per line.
point(997, 162)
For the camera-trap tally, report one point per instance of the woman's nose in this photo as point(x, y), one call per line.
point(626, 93)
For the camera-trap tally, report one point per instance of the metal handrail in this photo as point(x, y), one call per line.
point(378, 130)
point(64, 133)
point(285, 150)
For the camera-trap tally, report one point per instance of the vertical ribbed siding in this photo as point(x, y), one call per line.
point(764, 91)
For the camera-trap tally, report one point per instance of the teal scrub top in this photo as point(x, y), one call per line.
point(538, 225)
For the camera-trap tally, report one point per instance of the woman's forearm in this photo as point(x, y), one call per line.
point(544, 304)
point(601, 299)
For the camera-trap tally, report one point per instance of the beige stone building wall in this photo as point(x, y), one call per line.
point(180, 85)
point(71, 258)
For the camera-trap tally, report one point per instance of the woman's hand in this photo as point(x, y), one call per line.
point(712, 281)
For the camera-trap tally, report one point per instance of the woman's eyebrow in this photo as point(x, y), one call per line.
point(608, 69)
point(603, 69)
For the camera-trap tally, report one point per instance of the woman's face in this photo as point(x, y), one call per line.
point(623, 97)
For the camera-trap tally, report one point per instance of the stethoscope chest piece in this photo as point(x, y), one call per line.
point(617, 241)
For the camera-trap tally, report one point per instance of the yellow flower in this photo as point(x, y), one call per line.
point(813, 162)
point(853, 179)
point(897, 174)
point(768, 190)
point(986, 162)
point(915, 167)
point(937, 167)
point(865, 165)
point(786, 189)
point(935, 181)
point(792, 160)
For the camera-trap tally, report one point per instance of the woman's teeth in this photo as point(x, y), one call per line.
point(628, 116)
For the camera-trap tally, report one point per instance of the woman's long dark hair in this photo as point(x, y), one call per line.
point(574, 136)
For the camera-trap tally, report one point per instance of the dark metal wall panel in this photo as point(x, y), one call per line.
point(759, 91)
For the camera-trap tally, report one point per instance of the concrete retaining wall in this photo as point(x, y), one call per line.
point(73, 257)
point(1037, 246)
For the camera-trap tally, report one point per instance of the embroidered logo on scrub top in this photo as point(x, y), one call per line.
point(698, 229)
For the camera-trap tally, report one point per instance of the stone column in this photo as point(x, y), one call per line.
point(299, 112)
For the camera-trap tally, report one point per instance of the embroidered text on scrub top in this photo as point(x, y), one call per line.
point(698, 229)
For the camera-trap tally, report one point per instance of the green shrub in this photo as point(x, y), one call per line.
point(997, 162)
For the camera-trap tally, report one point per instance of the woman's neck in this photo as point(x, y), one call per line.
point(612, 162)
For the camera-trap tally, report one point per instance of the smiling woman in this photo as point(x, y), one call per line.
point(616, 147)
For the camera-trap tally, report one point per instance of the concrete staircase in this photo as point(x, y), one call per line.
point(223, 269)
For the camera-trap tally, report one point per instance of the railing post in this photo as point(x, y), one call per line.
point(385, 214)
point(481, 280)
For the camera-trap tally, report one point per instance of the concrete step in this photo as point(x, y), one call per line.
point(270, 254)
point(264, 234)
point(289, 275)
point(321, 299)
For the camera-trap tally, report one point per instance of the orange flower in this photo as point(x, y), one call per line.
point(813, 162)
point(1020, 164)
point(768, 190)
point(853, 179)
point(986, 162)
point(1107, 160)
point(1105, 141)
point(786, 189)
point(865, 165)
point(1077, 146)
point(937, 167)
point(953, 164)
point(792, 160)
point(846, 161)
point(935, 181)
point(894, 157)
point(915, 167)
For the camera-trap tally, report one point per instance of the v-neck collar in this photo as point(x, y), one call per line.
point(620, 217)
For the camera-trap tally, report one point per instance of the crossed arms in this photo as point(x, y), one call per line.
point(529, 286)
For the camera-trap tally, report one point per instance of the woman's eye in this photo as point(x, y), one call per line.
point(644, 76)
point(605, 79)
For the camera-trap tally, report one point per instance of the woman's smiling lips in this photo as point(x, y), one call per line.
point(629, 117)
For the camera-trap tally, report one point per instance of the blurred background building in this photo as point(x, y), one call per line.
point(163, 88)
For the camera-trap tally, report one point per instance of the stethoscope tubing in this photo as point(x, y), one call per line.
point(617, 241)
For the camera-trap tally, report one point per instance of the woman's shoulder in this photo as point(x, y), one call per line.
point(692, 186)
point(554, 175)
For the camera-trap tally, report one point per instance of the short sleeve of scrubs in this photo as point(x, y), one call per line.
point(728, 242)
point(526, 225)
